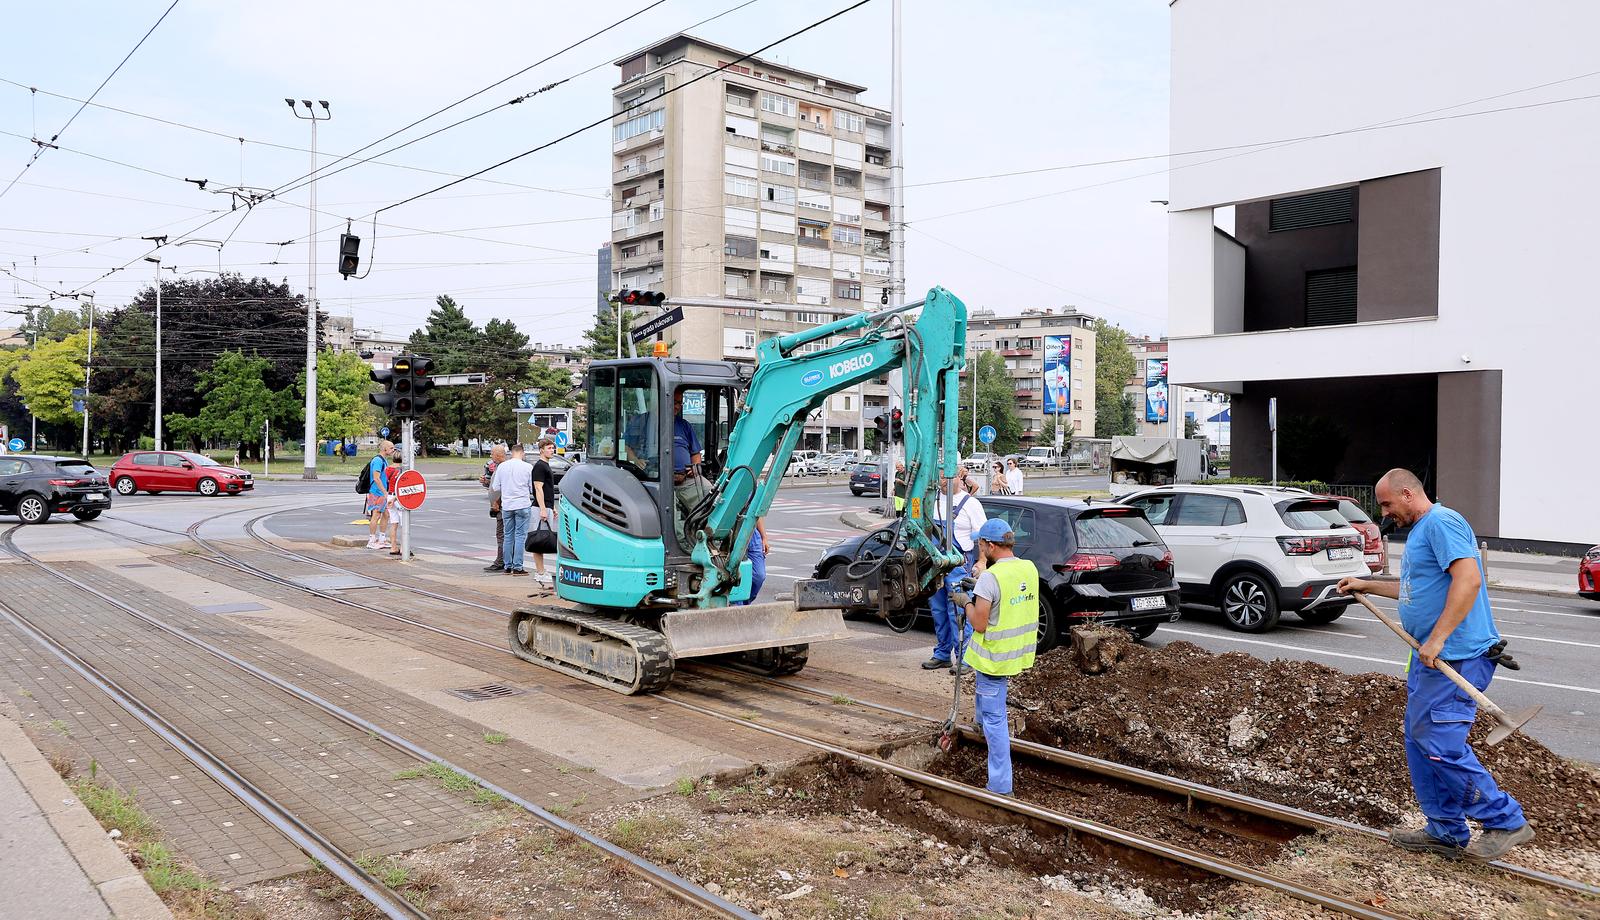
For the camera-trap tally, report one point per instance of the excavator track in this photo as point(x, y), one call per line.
point(593, 647)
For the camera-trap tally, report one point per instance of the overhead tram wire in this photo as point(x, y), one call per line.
point(79, 111)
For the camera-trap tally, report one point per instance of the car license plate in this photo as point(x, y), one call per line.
point(97, 497)
point(1341, 552)
point(1150, 603)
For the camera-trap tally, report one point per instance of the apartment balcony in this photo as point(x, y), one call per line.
point(880, 224)
point(641, 200)
point(740, 201)
point(738, 108)
point(875, 252)
point(640, 260)
point(813, 242)
point(1018, 352)
point(846, 246)
point(639, 170)
point(747, 263)
point(739, 293)
point(638, 230)
point(816, 185)
point(639, 140)
point(881, 195)
point(776, 147)
point(740, 140)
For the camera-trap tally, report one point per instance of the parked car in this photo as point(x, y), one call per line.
point(1375, 550)
point(1589, 574)
point(1098, 563)
point(1038, 458)
point(866, 477)
point(1254, 551)
point(157, 471)
point(35, 486)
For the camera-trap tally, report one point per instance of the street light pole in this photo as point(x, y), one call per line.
point(88, 361)
point(156, 261)
point(310, 471)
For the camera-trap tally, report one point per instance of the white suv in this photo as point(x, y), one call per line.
point(1253, 551)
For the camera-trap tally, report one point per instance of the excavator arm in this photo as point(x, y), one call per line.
point(789, 383)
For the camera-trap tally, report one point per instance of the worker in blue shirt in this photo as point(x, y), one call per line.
point(1444, 605)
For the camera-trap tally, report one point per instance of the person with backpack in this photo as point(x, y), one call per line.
point(374, 484)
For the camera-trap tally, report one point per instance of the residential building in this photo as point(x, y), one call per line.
point(339, 333)
point(1022, 341)
point(763, 184)
point(377, 348)
point(568, 357)
point(1395, 280)
point(1145, 350)
point(12, 337)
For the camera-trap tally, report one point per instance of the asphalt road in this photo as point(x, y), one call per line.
point(1555, 639)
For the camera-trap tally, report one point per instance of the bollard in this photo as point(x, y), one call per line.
point(1483, 554)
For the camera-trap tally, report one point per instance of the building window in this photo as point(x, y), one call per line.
point(847, 290)
point(1331, 297)
point(1318, 209)
point(740, 185)
point(780, 195)
point(815, 319)
point(777, 105)
point(848, 121)
point(641, 124)
point(773, 284)
point(783, 166)
point(739, 247)
point(846, 235)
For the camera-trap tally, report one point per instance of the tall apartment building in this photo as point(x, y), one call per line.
point(1021, 340)
point(762, 183)
point(1400, 287)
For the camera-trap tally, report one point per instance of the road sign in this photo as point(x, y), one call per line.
point(78, 393)
point(561, 439)
point(645, 330)
point(16, 445)
point(77, 405)
point(383, 432)
point(410, 490)
point(527, 400)
point(986, 434)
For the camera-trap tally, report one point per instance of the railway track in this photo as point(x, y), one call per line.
point(1193, 859)
point(295, 828)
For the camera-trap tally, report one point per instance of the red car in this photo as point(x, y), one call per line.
point(1374, 549)
point(157, 471)
point(1589, 574)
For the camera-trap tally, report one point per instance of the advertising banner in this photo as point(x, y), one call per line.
point(1057, 374)
point(1155, 389)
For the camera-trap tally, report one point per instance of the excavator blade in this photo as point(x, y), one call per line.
point(719, 630)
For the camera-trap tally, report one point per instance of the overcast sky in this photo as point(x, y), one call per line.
point(1018, 85)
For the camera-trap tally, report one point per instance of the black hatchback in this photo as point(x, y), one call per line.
point(866, 477)
point(1098, 563)
point(33, 487)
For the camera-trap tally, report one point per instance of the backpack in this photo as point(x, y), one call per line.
point(364, 481)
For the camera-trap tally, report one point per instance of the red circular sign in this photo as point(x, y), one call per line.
point(410, 489)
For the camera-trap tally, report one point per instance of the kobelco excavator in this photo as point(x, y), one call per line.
point(653, 555)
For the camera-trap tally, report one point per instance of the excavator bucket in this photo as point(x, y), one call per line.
point(719, 630)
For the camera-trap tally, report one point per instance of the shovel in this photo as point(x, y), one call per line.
point(1506, 723)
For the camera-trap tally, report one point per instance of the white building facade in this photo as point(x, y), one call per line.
point(1399, 286)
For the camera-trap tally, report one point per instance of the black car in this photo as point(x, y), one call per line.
point(1098, 563)
point(34, 487)
point(866, 477)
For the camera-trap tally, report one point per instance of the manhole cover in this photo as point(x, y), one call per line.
point(486, 692)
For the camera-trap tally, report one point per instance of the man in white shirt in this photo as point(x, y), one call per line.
point(964, 521)
point(513, 484)
point(1013, 476)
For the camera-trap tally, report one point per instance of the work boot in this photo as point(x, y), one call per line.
point(935, 664)
point(1497, 842)
point(1420, 841)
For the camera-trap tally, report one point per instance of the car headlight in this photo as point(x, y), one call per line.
point(1593, 555)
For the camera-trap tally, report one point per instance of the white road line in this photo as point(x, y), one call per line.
point(779, 568)
point(1326, 632)
point(1383, 661)
point(1509, 635)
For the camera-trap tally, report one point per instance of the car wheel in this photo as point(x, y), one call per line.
point(1321, 615)
point(1049, 628)
point(1249, 603)
point(856, 492)
point(206, 486)
point(125, 486)
point(32, 509)
point(86, 514)
point(1143, 630)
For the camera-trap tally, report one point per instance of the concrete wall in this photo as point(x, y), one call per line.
point(1228, 283)
point(1469, 447)
point(1398, 268)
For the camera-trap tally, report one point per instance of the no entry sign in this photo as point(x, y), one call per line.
point(410, 490)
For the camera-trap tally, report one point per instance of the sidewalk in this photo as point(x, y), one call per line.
point(60, 865)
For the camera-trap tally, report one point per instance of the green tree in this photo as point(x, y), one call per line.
point(1047, 434)
point(1114, 366)
point(47, 376)
point(122, 403)
point(343, 410)
point(455, 343)
point(236, 402)
point(1191, 427)
point(602, 336)
point(997, 402)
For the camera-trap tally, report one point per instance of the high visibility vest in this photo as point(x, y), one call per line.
point(1009, 644)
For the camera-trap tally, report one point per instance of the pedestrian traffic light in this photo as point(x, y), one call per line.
point(641, 298)
point(349, 254)
point(412, 379)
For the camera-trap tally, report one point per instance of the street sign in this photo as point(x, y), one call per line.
point(1272, 414)
point(77, 405)
point(383, 432)
point(16, 445)
point(527, 400)
point(410, 490)
point(645, 330)
point(561, 439)
point(986, 434)
point(78, 393)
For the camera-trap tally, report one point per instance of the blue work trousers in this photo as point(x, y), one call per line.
point(991, 692)
point(1451, 785)
point(944, 615)
point(516, 538)
point(757, 555)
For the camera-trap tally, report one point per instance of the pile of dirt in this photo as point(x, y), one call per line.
point(1295, 732)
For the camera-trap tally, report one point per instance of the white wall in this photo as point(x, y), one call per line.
point(1519, 212)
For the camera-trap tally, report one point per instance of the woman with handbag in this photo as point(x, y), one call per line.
point(542, 534)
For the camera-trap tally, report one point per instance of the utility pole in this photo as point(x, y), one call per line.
point(311, 290)
point(156, 261)
point(88, 361)
point(897, 214)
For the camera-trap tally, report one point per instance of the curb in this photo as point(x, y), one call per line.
point(122, 887)
point(864, 520)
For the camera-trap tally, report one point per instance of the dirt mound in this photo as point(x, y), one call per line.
point(1290, 731)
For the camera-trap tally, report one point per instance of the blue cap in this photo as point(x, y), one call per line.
point(996, 530)
point(681, 460)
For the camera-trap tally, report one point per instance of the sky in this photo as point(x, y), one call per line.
point(1022, 86)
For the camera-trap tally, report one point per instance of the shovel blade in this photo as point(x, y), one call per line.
point(720, 630)
point(1507, 723)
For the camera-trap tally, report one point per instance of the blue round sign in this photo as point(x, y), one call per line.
point(383, 432)
point(561, 439)
point(16, 445)
point(986, 434)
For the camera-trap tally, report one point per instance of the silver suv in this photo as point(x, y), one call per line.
point(1254, 551)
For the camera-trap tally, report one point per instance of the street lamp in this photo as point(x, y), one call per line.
point(311, 115)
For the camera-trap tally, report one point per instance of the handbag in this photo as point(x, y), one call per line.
point(541, 539)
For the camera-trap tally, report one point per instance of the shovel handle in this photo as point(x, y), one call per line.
point(1465, 685)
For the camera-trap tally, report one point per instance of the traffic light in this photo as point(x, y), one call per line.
point(641, 298)
point(412, 379)
point(896, 423)
point(384, 400)
point(881, 422)
point(349, 254)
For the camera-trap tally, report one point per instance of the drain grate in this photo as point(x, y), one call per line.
point(486, 692)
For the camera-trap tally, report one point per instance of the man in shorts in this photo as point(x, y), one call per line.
point(378, 496)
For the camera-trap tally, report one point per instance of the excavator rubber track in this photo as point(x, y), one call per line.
point(600, 649)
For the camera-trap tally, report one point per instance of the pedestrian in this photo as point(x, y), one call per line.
point(997, 476)
point(544, 499)
point(757, 554)
point(900, 486)
point(497, 455)
point(378, 495)
point(961, 520)
point(390, 476)
point(1444, 605)
point(513, 484)
point(1002, 608)
point(1013, 476)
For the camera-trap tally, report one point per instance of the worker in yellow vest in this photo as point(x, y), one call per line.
point(1003, 611)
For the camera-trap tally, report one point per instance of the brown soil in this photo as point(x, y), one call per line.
point(1294, 732)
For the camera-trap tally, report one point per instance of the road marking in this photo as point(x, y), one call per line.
point(1393, 664)
point(1326, 632)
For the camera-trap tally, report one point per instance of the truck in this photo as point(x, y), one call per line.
point(1040, 457)
point(1141, 462)
point(652, 546)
